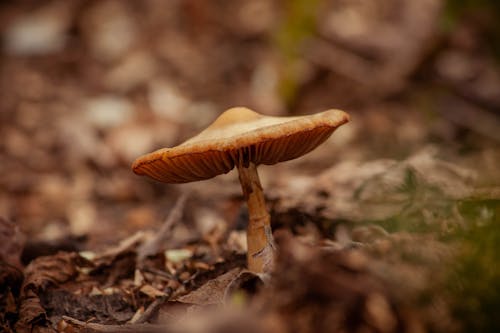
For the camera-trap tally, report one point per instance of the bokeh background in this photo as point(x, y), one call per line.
point(412, 180)
point(87, 86)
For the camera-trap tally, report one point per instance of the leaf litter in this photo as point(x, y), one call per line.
point(348, 278)
point(392, 227)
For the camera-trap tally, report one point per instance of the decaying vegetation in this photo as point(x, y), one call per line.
point(391, 226)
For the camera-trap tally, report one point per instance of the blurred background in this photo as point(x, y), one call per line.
point(88, 86)
point(410, 182)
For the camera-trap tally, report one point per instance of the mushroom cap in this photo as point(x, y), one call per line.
point(239, 136)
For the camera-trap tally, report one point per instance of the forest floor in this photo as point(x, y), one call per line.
point(392, 225)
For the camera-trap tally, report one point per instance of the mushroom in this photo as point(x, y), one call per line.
point(242, 138)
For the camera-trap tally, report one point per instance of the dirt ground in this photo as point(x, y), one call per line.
point(392, 225)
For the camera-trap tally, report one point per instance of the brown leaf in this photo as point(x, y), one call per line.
point(246, 282)
point(11, 243)
point(10, 278)
point(110, 308)
point(212, 292)
point(10, 283)
point(32, 316)
point(151, 291)
point(46, 271)
point(41, 274)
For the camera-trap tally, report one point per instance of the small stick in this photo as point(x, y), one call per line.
point(139, 328)
point(151, 247)
point(153, 308)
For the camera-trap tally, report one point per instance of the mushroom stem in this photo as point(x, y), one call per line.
point(259, 236)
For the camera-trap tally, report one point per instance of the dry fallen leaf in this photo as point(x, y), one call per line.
point(41, 274)
point(151, 291)
point(212, 292)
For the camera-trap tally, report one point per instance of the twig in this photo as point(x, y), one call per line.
point(139, 328)
point(152, 246)
point(124, 245)
point(153, 308)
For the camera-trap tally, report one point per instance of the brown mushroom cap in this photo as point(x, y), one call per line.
point(239, 136)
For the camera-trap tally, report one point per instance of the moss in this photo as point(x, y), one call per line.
point(474, 283)
point(425, 208)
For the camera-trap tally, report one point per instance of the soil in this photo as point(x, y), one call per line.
point(389, 226)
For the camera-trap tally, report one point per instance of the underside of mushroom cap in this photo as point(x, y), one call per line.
point(239, 136)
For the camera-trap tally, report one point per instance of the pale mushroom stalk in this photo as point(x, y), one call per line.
point(259, 236)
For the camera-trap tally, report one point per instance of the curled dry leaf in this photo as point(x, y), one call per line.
point(105, 308)
point(10, 282)
point(40, 275)
point(50, 271)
